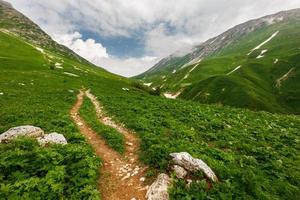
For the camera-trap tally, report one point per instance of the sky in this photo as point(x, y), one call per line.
point(127, 37)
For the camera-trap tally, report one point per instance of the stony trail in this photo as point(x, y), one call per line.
point(121, 176)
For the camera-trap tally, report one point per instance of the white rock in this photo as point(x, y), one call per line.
point(52, 138)
point(189, 182)
point(126, 177)
point(1, 93)
point(27, 130)
point(142, 179)
point(180, 172)
point(186, 161)
point(159, 189)
point(129, 143)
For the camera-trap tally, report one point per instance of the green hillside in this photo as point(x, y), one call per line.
point(254, 154)
point(35, 92)
point(266, 78)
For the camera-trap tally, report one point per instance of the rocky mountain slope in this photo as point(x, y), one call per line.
point(15, 22)
point(246, 66)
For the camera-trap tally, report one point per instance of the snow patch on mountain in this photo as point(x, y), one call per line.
point(264, 42)
point(170, 95)
point(147, 84)
point(194, 61)
point(283, 78)
point(238, 67)
point(261, 55)
point(71, 74)
point(188, 74)
point(58, 66)
point(40, 50)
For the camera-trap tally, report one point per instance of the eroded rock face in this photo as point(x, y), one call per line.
point(180, 172)
point(52, 138)
point(159, 189)
point(27, 130)
point(191, 164)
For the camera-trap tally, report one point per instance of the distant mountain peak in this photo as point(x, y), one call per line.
point(241, 67)
point(17, 23)
point(221, 41)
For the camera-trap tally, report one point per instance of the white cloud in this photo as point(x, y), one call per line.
point(120, 66)
point(97, 54)
point(88, 49)
point(191, 21)
point(161, 43)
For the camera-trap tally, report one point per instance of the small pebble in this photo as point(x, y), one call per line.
point(142, 179)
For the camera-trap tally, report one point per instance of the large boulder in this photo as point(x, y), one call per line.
point(159, 189)
point(52, 138)
point(191, 164)
point(27, 130)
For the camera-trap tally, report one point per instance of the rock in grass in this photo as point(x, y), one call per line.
point(159, 189)
point(180, 172)
point(191, 164)
point(52, 138)
point(27, 130)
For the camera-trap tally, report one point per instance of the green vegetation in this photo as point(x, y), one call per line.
point(254, 154)
point(254, 85)
point(29, 171)
point(36, 95)
point(113, 138)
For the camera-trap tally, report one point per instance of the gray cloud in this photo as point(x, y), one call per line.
point(166, 25)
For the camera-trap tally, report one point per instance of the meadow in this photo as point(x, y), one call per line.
point(254, 154)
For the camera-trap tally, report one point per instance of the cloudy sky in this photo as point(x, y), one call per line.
point(129, 36)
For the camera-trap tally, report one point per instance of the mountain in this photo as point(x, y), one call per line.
point(253, 65)
point(253, 154)
point(15, 22)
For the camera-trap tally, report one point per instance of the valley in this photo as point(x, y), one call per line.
point(121, 133)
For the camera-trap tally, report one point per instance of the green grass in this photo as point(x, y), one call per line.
point(36, 95)
point(113, 138)
point(254, 154)
point(29, 171)
point(253, 86)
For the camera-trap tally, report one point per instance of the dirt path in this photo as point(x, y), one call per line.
point(121, 176)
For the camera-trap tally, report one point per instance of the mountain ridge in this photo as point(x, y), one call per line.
point(197, 53)
point(17, 23)
point(270, 42)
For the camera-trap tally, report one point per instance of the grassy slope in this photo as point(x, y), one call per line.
point(253, 85)
point(35, 93)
